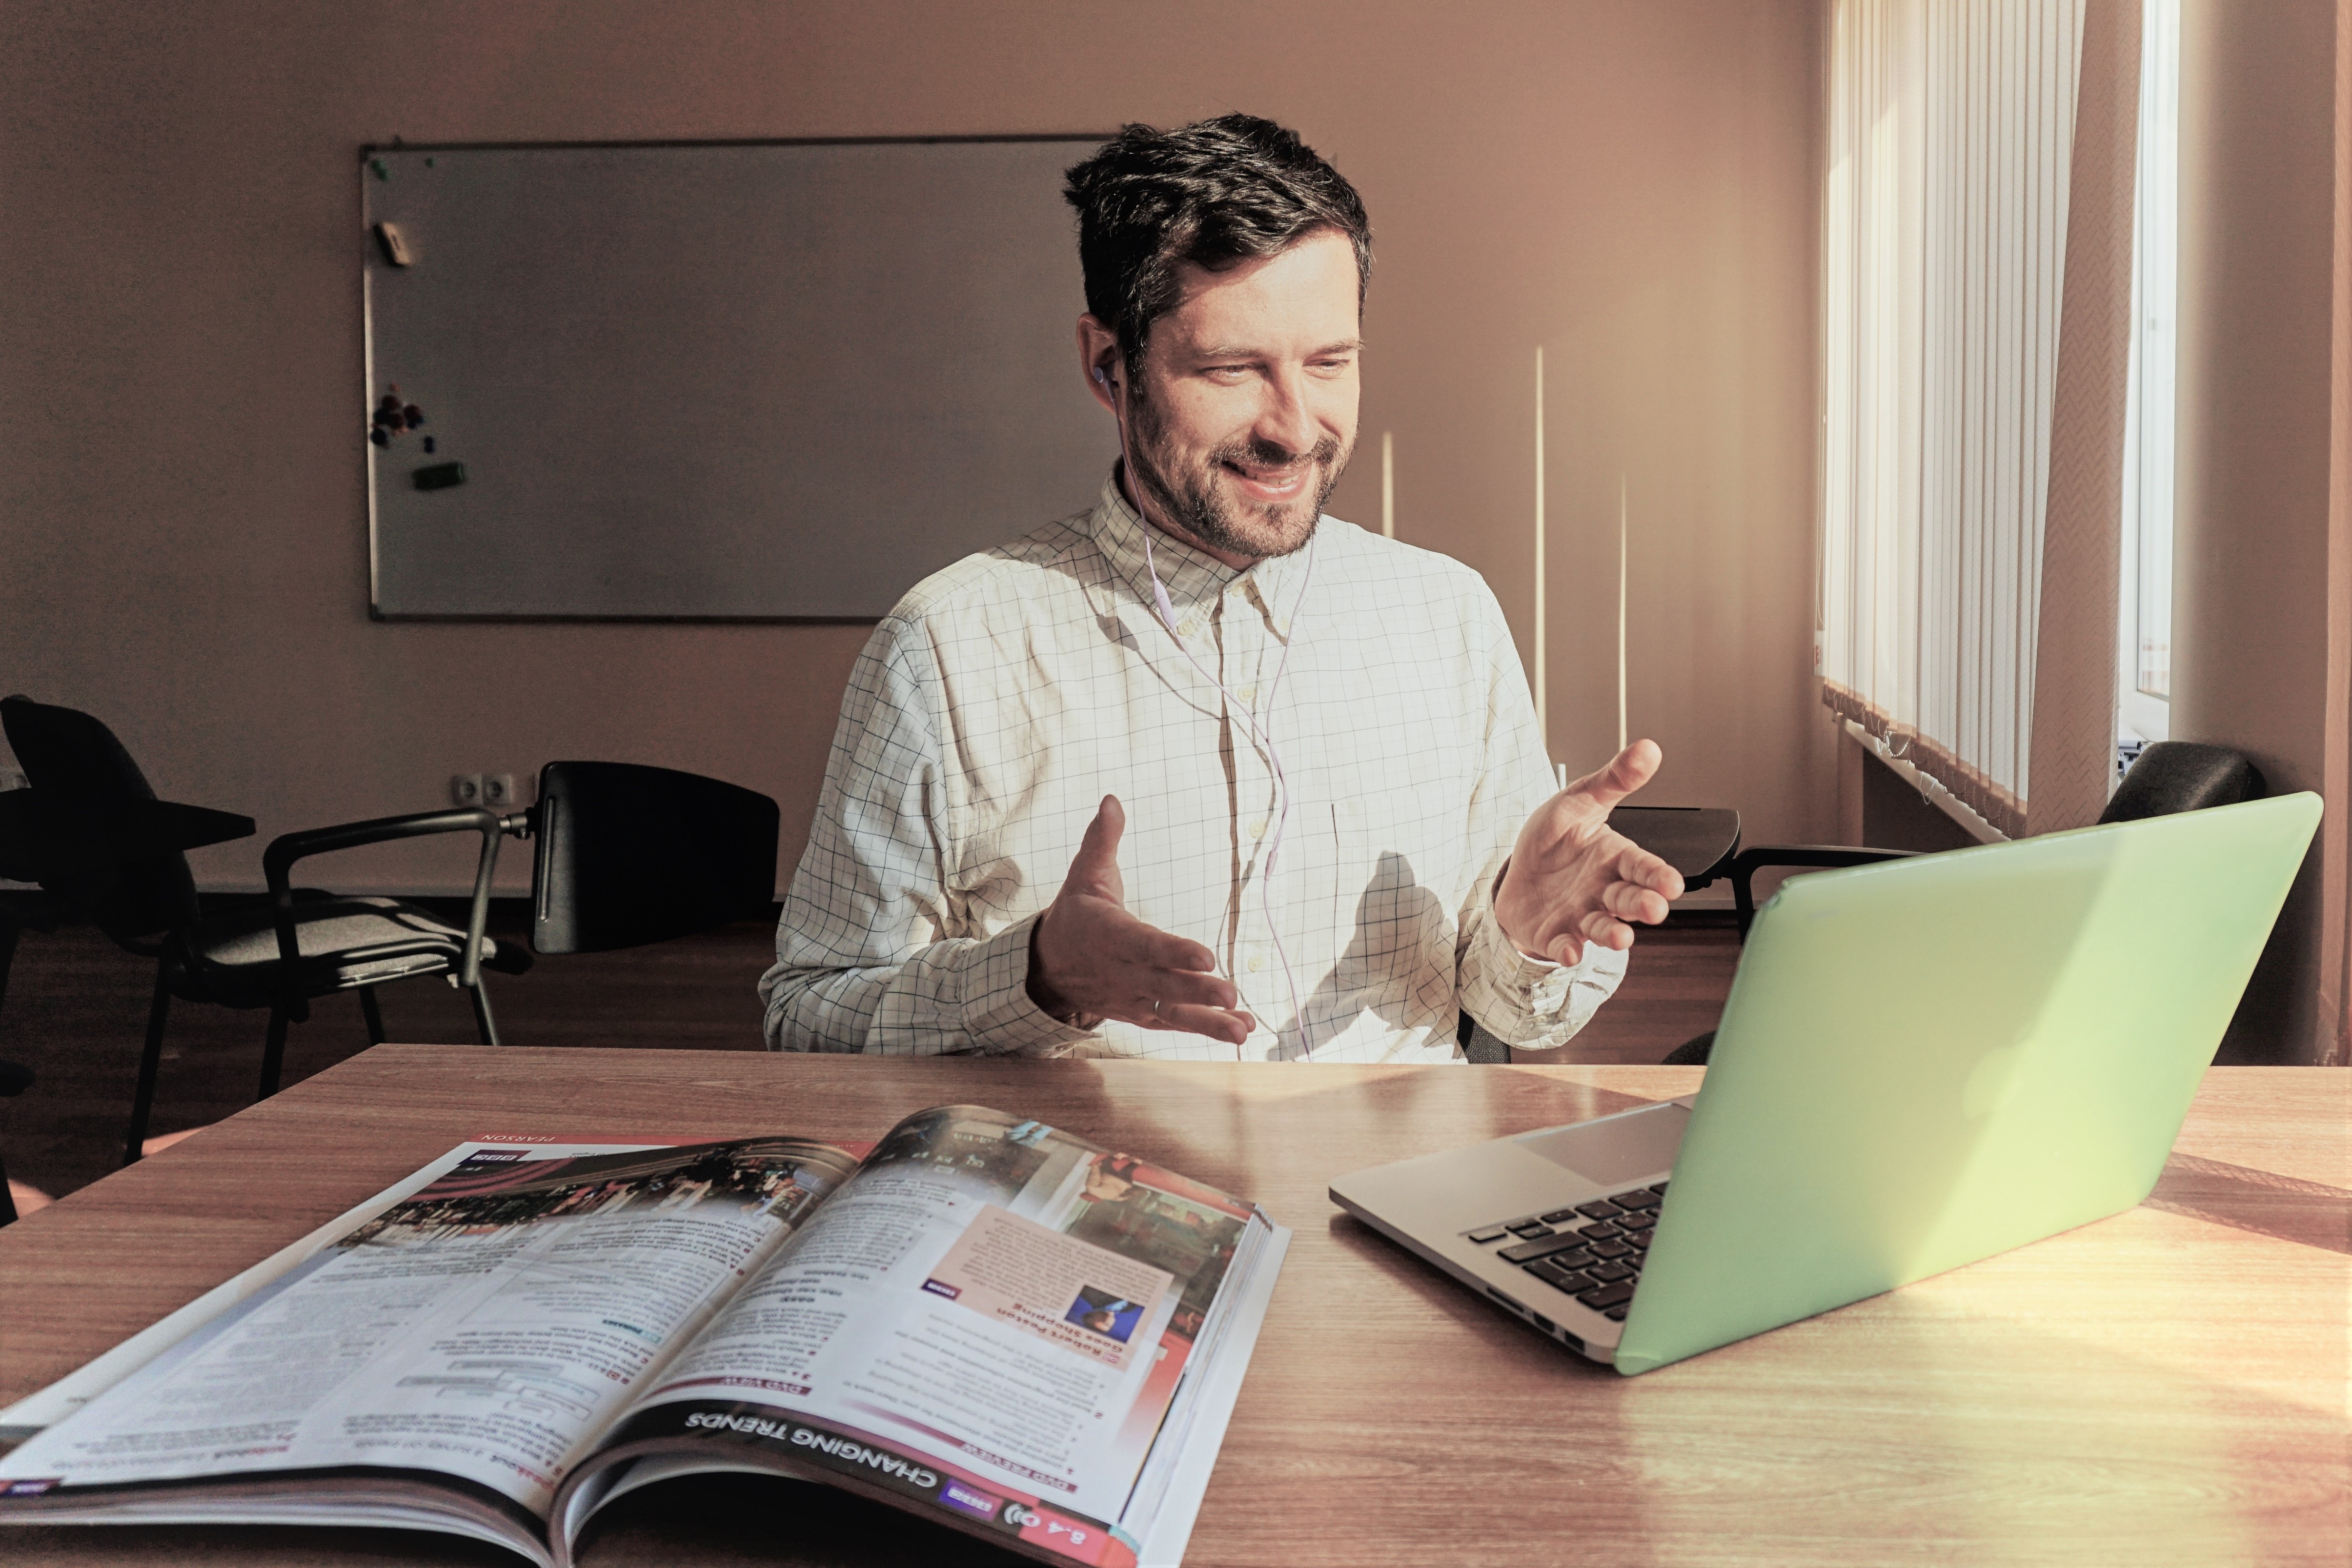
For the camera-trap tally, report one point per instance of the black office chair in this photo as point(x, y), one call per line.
point(629, 855)
point(626, 855)
point(2170, 776)
point(18, 911)
point(13, 1080)
point(99, 855)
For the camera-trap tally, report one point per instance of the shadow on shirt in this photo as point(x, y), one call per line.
point(1398, 965)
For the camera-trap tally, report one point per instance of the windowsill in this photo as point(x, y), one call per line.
point(1933, 793)
point(2151, 718)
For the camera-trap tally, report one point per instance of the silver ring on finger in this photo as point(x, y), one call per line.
point(1155, 1006)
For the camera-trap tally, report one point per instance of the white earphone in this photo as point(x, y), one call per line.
point(1263, 734)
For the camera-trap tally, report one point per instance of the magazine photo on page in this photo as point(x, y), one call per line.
point(983, 1320)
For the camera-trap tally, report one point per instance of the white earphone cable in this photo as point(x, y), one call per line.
point(1262, 734)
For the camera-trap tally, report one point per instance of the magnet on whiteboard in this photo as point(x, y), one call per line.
point(394, 246)
point(440, 475)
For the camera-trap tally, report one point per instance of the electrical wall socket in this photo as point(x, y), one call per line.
point(496, 790)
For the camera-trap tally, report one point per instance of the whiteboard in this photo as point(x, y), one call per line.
point(768, 382)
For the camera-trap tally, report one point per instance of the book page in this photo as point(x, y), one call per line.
point(487, 1328)
point(992, 1317)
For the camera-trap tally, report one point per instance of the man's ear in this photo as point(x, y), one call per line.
point(1099, 361)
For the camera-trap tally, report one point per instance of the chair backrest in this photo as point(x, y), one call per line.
point(76, 762)
point(629, 854)
point(2183, 776)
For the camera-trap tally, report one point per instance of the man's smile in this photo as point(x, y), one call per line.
point(1270, 486)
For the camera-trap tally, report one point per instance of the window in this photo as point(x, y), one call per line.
point(2144, 630)
point(1952, 132)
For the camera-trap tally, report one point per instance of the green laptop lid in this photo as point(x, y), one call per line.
point(1927, 1061)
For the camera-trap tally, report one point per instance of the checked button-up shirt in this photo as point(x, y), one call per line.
point(1004, 696)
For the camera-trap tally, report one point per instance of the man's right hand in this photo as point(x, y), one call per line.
point(1090, 960)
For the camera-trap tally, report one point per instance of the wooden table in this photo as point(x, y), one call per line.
point(2168, 1386)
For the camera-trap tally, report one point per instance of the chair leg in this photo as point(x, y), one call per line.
point(9, 931)
point(373, 1014)
point(142, 1099)
point(487, 1028)
point(273, 1055)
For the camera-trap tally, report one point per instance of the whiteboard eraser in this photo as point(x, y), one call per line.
point(393, 244)
point(440, 475)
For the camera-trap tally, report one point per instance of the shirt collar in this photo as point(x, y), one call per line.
point(1193, 580)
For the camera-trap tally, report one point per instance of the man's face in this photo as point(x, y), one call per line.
point(1245, 415)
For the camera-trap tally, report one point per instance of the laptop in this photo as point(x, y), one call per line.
point(1923, 1063)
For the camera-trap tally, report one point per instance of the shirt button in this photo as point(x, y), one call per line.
point(1247, 694)
point(1189, 627)
point(1257, 828)
point(1257, 962)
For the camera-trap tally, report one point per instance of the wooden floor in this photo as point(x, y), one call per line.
point(75, 1013)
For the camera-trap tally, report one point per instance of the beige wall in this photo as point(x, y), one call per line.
point(2251, 552)
point(181, 403)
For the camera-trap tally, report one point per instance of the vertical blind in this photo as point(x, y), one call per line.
point(1952, 168)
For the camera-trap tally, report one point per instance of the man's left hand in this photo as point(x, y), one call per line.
point(1573, 880)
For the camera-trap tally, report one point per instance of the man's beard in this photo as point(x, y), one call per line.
point(1192, 501)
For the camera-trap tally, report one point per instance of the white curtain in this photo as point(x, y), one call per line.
point(1952, 158)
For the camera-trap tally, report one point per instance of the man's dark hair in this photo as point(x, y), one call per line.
point(1212, 194)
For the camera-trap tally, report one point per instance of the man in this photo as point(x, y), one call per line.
point(1201, 772)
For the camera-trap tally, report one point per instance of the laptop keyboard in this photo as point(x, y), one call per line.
point(1593, 1251)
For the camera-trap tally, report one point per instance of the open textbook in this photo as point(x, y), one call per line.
point(985, 1320)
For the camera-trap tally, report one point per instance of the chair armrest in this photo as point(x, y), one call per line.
point(1819, 857)
point(278, 860)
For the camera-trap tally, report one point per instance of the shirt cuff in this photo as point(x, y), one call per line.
point(999, 1017)
point(1532, 1004)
